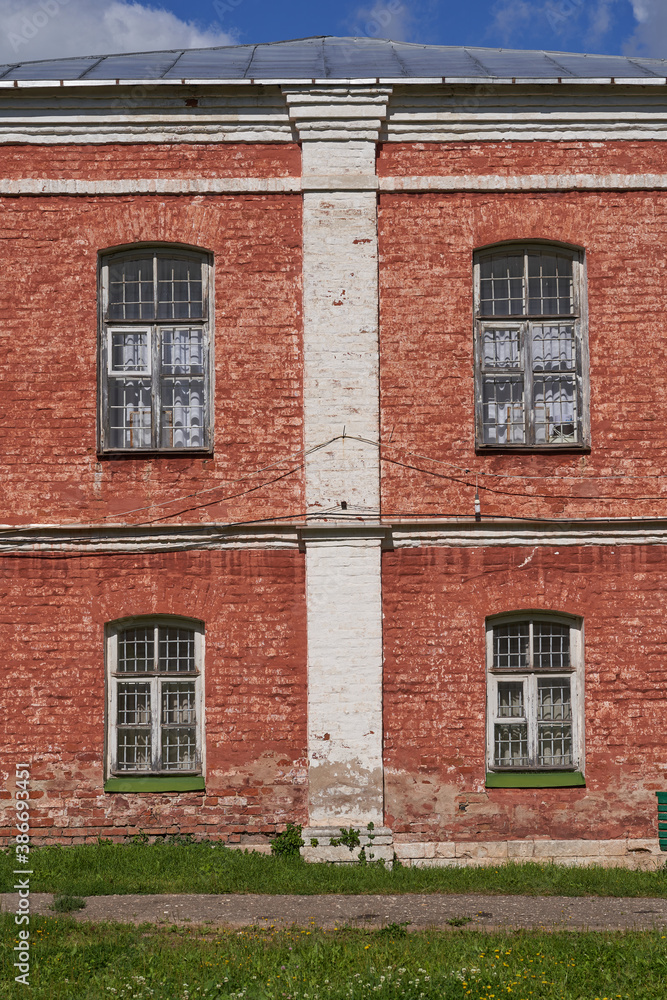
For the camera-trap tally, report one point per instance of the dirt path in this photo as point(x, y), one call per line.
point(415, 911)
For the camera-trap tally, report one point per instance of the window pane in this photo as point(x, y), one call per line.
point(131, 293)
point(501, 285)
point(179, 749)
point(136, 650)
point(500, 349)
point(550, 285)
point(554, 703)
point(178, 704)
point(182, 413)
point(510, 646)
point(555, 746)
point(129, 413)
point(183, 352)
point(554, 408)
point(502, 411)
point(176, 650)
point(554, 729)
point(511, 745)
point(510, 700)
point(134, 749)
point(551, 646)
point(134, 705)
point(179, 289)
point(553, 347)
point(130, 352)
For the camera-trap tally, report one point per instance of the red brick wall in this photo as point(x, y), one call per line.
point(400, 159)
point(426, 349)
point(436, 601)
point(48, 394)
point(135, 160)
point(52, 636)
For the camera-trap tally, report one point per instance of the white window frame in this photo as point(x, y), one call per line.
point(154, 328)
point(155, 680)
point(529, 677)
point(523, 324)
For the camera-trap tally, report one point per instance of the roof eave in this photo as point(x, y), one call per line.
point(343, 82)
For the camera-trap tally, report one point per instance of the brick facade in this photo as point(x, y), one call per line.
point(329, 543)
point(255, 689)
point(435, 605)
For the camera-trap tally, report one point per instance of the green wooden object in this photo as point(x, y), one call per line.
point(177, 783)
point(662, 819)
point(534, 779)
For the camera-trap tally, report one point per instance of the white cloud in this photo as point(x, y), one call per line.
point(49, 29)
point(650, 36)
point(511, 17)
point(390, 19)
point(585, 22)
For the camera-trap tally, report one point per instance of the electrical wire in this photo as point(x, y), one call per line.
point(356, 510)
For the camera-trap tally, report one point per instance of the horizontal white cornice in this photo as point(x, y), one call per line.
point(83, 539)
point(46, 186)
point(277, 111)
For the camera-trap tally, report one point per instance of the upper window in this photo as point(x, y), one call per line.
point(154, 351)
point(530, 350)
point(534, 672)
point(155, 693)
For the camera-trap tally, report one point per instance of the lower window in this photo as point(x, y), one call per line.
point(534, 684)
point(154, 697)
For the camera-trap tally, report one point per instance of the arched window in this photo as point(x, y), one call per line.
point(155, 353)
point(530, 347)
point(155, 696)
point(535, 693)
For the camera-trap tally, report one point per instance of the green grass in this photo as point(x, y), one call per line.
point(64, 903)
point(73, 961)
point(105, 869)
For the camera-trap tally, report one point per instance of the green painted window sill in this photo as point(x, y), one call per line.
point(534, 779)
point(159, 783)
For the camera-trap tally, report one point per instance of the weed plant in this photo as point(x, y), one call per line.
point(84, 961)
point(64, 903)
point(206, 867)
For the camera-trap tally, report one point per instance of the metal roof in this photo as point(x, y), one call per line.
point(327, 58)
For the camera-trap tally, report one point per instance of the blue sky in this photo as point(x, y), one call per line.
point(42, 29)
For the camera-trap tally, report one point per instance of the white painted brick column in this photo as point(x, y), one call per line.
point(340, 316)
point(339, 129)
point(344, 608)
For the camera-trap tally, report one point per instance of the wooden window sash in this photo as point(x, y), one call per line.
point(529, 677)
point(155, 678)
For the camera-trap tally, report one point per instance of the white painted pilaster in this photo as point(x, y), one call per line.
point(339, 128)
point(344, 608)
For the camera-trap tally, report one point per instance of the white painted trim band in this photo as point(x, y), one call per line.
point(607, 533)
point(528, 182)
point(55, 187)
point(478, 81)
point(85, 538)
point(187, 186)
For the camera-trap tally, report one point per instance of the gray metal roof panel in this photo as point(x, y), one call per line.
point(332, 58)
point(593, 66)
point(367, 57)
point(302, 59)
point(142, 66)
point(230, 63)
point(436, 60)
point(52, 69)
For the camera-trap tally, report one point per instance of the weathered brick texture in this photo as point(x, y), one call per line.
point(52, 636)
point(48, 393)
point(426, 346)
point(435, 604)
point(400, 159)
point(115, 161)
